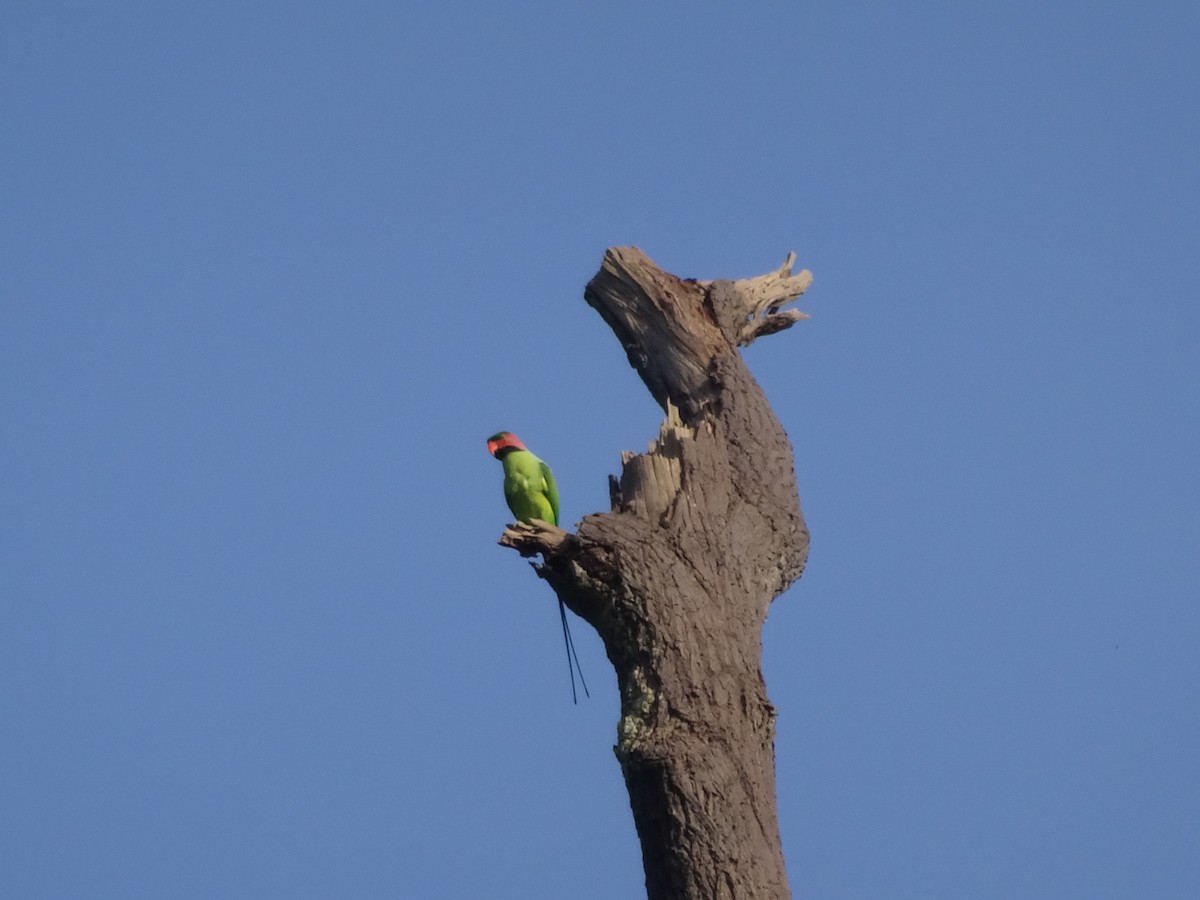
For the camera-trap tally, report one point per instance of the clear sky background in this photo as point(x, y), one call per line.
point(272, 272)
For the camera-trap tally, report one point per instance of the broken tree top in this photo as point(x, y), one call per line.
point(721, 455)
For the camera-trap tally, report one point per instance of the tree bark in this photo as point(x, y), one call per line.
point(705, 531)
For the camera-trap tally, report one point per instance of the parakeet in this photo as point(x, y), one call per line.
point(531, 493)
point(529, 484)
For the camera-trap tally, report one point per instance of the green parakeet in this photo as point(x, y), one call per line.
point(531, 493)
point(529, 484)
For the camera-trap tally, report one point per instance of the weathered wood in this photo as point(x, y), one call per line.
point(749, 307)
point(705, 531)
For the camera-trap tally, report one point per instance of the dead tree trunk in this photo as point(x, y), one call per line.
point(705, 530)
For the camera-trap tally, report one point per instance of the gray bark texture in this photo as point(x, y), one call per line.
point(705, 531)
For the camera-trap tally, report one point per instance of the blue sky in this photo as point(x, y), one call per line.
point(273, 272)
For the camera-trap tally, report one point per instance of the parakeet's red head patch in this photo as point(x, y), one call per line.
point(502, 439)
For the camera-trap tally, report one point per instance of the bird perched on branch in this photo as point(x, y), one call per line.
point(532, 493)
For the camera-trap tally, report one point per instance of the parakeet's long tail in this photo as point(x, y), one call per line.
point(572, 657)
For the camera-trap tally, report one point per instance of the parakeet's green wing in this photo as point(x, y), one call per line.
point(551, 491)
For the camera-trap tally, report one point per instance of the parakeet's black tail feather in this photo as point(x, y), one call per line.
point(572, 657)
